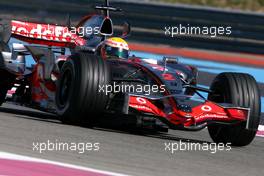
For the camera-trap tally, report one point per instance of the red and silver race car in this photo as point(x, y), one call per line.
point(72, 80)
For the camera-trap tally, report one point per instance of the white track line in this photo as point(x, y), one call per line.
point(261, 128)
point(5, 155)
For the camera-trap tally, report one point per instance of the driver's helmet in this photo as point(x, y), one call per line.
point(115, 47)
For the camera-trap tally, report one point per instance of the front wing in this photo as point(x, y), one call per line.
point(194, 118)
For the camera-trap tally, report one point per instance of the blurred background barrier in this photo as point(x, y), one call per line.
point(149, 20)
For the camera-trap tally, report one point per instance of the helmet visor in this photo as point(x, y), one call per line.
point(117, 52)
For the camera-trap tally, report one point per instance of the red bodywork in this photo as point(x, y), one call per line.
point(44, 34)
point(52, 35)
point(206, 112)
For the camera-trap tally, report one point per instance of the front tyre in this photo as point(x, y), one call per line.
point(78, 98)
point(240, 90)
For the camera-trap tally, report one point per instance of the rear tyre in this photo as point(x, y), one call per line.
point(4, 75)
point(78, 98)
point(240, 90)
point(3, 92)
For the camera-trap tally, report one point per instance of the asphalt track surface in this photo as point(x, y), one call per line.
point(125, 151)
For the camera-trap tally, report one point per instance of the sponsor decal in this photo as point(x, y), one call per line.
point(141, 100)
point(212, 116)
point(139, 107)
point(157, 67)
point(168, 77)
point(45, 32)
point(206, 108)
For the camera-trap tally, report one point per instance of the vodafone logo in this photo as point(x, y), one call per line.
point(206, 108)
point(41, 31)
point(141, 100)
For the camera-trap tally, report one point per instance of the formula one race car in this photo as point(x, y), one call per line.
point(79, 76)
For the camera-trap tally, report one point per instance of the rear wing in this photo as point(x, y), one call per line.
point(45, 34)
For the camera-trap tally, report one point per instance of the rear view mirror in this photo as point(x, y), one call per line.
point(173, 60)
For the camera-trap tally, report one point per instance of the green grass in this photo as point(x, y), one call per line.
point(252, 5)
